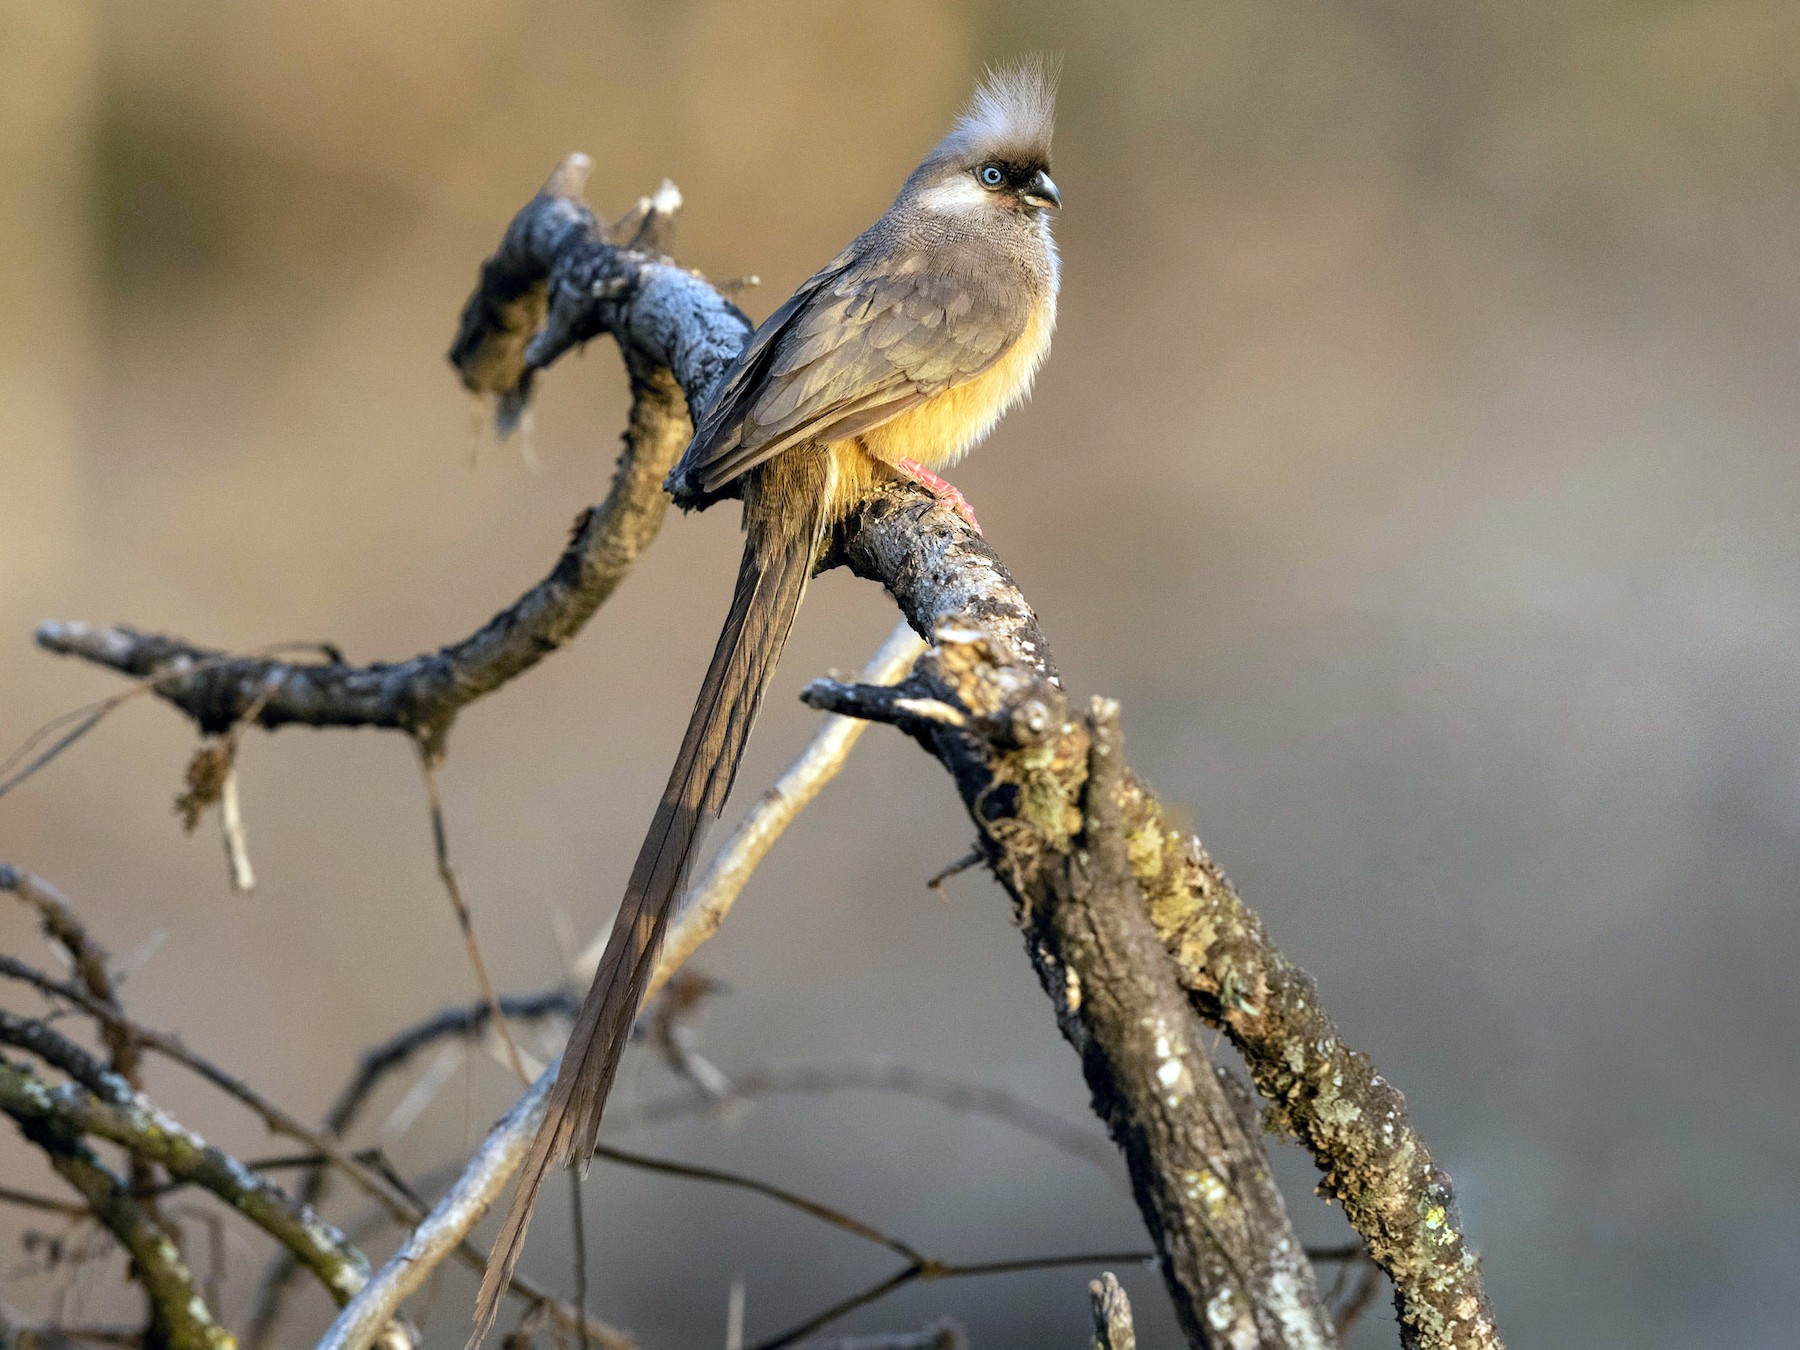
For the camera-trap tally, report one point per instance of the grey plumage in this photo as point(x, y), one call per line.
point(922, 301)
point(898, 355)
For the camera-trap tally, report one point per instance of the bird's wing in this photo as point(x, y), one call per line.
point(857, 345)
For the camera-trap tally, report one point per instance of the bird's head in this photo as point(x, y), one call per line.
point(997, 156)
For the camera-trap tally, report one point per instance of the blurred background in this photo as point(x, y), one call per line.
point(1416, 462)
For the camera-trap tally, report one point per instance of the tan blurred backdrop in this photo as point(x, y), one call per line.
point(1416, 461)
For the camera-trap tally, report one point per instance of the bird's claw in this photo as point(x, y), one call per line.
point(941, 488)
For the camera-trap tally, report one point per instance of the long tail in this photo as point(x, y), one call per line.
point(779, 552)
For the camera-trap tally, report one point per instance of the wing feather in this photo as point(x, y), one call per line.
point(859, 343)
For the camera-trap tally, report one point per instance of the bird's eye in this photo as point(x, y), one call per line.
point(990, 175)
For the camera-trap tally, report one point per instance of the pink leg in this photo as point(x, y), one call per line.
point(939, 488)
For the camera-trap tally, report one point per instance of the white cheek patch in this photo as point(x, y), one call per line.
point(961, 196)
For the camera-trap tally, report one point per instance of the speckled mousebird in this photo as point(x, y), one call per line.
point(895, 359)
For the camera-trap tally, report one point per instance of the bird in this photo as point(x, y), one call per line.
point(891, 362)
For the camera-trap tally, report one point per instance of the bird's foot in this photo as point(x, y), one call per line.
point(940, 488)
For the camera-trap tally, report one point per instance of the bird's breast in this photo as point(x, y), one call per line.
point(946, 426)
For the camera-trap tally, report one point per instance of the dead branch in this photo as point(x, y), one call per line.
point(125, 1118)
point(554, 248)
point(64, 927)
point(990, 661)
point(987, 703)
point(375, 1065)
point(1200, 1177)
point(954, 1094)
point(702, 910)
point(179, 1318)
point(400, 1207)
point(943, 1334)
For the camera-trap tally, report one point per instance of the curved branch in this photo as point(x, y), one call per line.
point(553, 254)
point(64, 927)
point(987, 703)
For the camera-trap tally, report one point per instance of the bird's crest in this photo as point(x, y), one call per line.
point(1011, 116)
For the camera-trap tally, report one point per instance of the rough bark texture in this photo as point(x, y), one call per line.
point(125, 1118)
point(986, 701)
point(554, 260)
point(179, 1317)
point(975, 701)
point(1198, 1169)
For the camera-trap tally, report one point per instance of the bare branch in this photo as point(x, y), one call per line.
point(703, 909)
point(1352, 1121)
point(915, 1273)
point(1229, 1256)
point(943, 1334)
point(955, 1094)
point(128, 1120)
point(179, 1318)
point(465, 918)
point(781, 1195)
point(400, 1206)
point(27, 1200)
point(460, 1022)
point(556, 270)
point(64, 927)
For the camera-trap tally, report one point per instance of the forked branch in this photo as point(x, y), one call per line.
point(1079, 842)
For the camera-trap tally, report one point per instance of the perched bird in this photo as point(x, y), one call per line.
point(895, 359)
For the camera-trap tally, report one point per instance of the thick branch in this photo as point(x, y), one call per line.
point(1229, 1255)
point(987, 703)
point(1023, 797)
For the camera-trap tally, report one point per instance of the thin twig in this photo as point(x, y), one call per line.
point(943, 1334)
point(718, 1176)
point(63, 926)
point(231, 830)
point(27, 1200)
point(706, 905)
point(954, 1094)
point(916, 1273)
point(231, 812)
point(1358, 1303)
point(465, 919)
point(670, 1019)
point(151, 670)
point(401, 1208)
point(973, 858)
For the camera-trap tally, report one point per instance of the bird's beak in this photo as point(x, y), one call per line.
point(1042, 191)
